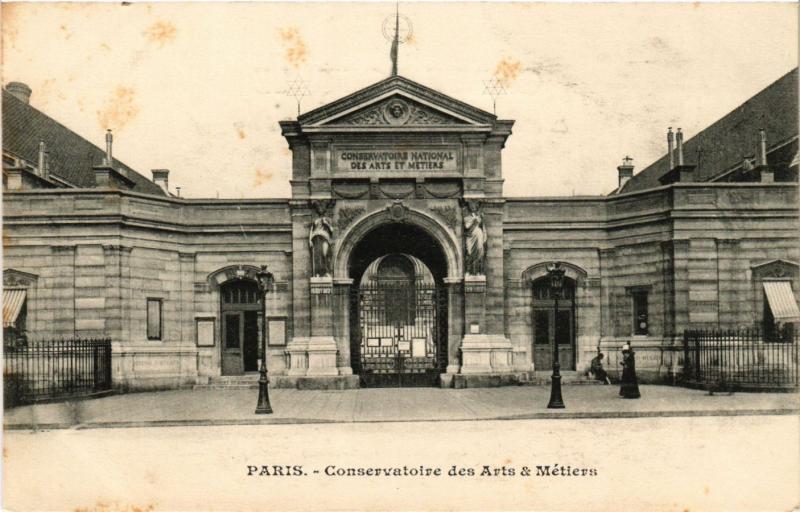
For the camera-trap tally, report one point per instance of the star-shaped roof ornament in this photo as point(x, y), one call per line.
point(494, 88)
point(298, 88)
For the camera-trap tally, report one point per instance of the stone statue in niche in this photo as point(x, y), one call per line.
point(320, 240)
point(474, 239)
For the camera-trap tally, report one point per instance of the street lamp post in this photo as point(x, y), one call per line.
point(266, 282)
point(556, 273)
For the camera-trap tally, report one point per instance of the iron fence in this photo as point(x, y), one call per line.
point(53, 369)
point(739, 360)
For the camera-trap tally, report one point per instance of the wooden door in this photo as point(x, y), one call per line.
point(250, 341)
point(232, 342)
point(565, 337)
point(546, 326)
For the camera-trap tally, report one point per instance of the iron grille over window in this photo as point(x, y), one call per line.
point(641, 324)
point(542, 291)
point(244, 292)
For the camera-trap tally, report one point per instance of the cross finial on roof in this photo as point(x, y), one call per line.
point(627, 160)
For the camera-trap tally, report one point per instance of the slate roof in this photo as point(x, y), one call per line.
point(71, 156)
point(723, 145)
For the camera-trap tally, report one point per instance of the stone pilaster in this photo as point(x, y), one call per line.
point(90, 291)
point(112, 256)
point(186, 280)
point(301, 268)
point(322, 345)
point(481, 352)
point(681, 284)
point(64, 283)
point(341, 322)
point(475, 304)
point(321, 306)
point(455, 323)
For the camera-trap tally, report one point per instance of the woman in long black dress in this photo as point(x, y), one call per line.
point(630, 385)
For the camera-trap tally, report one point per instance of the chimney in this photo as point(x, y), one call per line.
point(762, 148)
point(46, 169)
point(106, 176)
point(109, 140)
point(679, 170)
point(20, 91)
point(42, 152)
point(766, 175)
point(161, 178)
point(670, 148)
point(625, 171)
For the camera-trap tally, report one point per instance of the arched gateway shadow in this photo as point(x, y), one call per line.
point(398, 223)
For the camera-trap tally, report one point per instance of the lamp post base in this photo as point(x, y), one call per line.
point(556, 402)
point(263, 406)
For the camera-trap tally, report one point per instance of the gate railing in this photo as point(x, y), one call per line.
point(398, 329)
point(52, 369)
point(739, 359)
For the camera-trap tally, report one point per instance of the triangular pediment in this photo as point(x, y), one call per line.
point(396, 103)
point(397, 110)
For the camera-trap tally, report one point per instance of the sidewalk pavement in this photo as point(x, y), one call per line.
point(236, 405)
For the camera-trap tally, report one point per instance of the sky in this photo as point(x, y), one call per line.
point(199, 88)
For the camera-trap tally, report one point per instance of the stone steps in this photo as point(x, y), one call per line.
point(246, 381)
point(542, 378)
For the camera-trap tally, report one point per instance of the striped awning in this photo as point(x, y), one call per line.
point(781, 301)
point(12, 305)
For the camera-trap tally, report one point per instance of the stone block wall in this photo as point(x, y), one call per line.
point(701, 251)
point(94, 276)
point(541, 231)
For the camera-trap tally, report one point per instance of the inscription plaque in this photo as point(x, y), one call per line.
point(414, 159)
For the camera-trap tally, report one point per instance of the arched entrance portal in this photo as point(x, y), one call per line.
point(398, 311)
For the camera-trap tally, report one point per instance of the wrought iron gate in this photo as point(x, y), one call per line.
point(398, 334)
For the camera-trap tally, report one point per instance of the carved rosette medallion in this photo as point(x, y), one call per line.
point(396, 111)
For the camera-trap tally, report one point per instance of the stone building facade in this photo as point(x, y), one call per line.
point(398, 259)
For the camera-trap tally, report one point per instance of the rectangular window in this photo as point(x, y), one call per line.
point(641, 324)
point(153, 319)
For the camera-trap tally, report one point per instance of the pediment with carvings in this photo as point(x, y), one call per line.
point(18, 279)
point(776, 269)
point(397, 102)
point(396, 111)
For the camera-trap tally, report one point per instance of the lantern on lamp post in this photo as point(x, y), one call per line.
point(556, 274)
point(266, 283)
